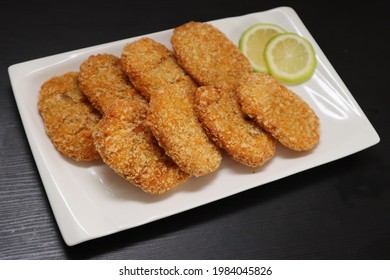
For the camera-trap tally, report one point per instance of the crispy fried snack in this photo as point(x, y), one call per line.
point(103, 81)
point(127, 145)
point(150, 66)
point(153, 70)
point(68, 117)
point(214, 61)
point(223, 119)
point(177, 129)
point(208, 55)
point(279, 111)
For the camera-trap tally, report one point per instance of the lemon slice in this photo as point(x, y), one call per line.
point(290, 58)
point(253, 41)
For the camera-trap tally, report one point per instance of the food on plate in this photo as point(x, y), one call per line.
point(215, 62)
point(174, 123)
point(158, 117)
point(150, 65)
point(127, 145)
point(253, 41)
point(223, 119)
point(103, 81)
point(281, 112)
point(208, 55)
point(68, 117)
point(153, 70)
point(290, 58)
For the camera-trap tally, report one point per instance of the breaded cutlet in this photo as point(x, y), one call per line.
point(208, 55)
point(223, 119)
point(217, 64)
point(150, 65)
point(69, 118)
point(127, 145)
point(280, 111)
point(103, 81)
point(153, 70)
point(175, 125)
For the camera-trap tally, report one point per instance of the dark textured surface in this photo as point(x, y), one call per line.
point(337, 211)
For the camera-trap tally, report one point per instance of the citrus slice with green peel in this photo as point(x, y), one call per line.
point(290, 58)
point(253, 41)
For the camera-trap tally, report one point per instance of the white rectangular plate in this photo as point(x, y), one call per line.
point(89, 200)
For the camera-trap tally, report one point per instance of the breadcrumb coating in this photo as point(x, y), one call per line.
point(216, 63)
point(280, 111)
point(159, 127)
point(222, 117)
point(103, 81)
point(208, 55)
point(153, 70)
point(127, 145)
point(150, 66)
point(68, 116)
point(176, 127)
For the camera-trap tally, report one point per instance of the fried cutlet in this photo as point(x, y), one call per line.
point(153, 70)
point(215, 62)
point(222, 117)
point(208, 55)
point(150, 65)
point(281, 112)
point(103, 81)
point(127, 145)
point(177, 129)
point(68, 116)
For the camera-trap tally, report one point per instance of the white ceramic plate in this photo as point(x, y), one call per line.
point(89, 200)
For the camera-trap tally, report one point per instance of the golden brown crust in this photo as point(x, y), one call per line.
point(279, 111)
point(103, 81)
point(153, 69)
point(150, 66)
point(208, 55)
point(127, 145)
point(176, 127)
point(68, 117)
point(223, 119)
point(213, 60)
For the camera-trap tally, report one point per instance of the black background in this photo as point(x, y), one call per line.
point(340, 210)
